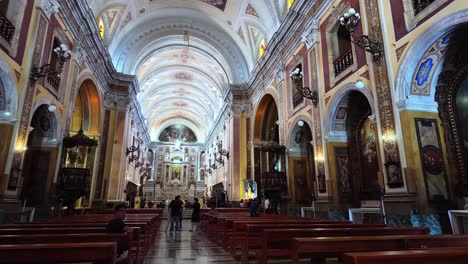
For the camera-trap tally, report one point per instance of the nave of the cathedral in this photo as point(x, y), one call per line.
point(338, 115)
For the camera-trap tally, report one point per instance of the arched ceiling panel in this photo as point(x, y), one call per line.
point(185, 53)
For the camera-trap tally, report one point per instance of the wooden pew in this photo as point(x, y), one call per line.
point(137, 249)
point(275, 242)
point(144, 238)
point(458, 255)
point(97, 253)
point(134, 256)
point(249, 233)
point(321, 247)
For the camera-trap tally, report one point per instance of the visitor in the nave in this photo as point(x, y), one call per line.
point(195, 219)
point(175, 212)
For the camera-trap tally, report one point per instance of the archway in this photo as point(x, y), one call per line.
point(8, 113)
point(86, 119)
point(268, 154)
point(301, 164)
point(86, 114)
point(41, 158)
point(265, 126)
point(451, 95)
point(356, 159)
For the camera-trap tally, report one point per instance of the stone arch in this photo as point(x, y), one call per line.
point(55, 137)
point(403, 97)
point(306, 119)
point(260, 116)
point(8, 93)
point(87, 108)
point(330, 132)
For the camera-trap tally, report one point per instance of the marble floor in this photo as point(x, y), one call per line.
point(185, 247)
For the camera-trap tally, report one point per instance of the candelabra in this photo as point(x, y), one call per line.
point(350, 20)
point(305, 92)
point(131, 150)
point(222, 151)
point(52, 71)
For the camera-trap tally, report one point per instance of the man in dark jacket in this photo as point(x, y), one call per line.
point(175, 211)
point(117, 225)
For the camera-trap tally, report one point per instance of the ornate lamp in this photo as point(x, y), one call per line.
point(47, 70)
point(305, 92)
point(350, 20)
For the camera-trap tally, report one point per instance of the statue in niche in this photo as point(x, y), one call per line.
point(299, 136)
point(44, 123)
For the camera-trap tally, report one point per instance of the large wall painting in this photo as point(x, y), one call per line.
point(432, 159)
point(369, 161)
point(177, 133)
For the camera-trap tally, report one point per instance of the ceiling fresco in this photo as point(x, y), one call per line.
point(186, 53)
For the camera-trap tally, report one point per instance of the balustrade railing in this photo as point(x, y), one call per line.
point(6, 28)
point(343, 62)
point(54, 81)
point(297, 99)
point(419, 5)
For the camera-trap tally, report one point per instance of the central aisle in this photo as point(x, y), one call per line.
point(185, 247)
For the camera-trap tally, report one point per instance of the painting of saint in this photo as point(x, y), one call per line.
point(250, 189)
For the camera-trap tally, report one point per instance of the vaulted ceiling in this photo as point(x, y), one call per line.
point(185, 53)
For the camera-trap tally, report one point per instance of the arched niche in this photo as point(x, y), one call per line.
point(356, 162)
point(301, 170)
point(87, 109)
point(41, 157)
point(8, 93)
point(266, 116)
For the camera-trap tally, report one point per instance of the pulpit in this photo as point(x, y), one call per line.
point(74, 182)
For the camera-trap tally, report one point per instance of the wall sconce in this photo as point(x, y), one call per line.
point(319, 158)
point(213, 166)
point(389, 140)
point(63, 54)
point(222, 151)
point(359, 85)
point(132, 149)
point(350, 20)
point(220, 159)
point(21, 150)
point(305, 92)
point(52, 108)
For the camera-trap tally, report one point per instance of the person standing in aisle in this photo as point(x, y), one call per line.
point(195, 215)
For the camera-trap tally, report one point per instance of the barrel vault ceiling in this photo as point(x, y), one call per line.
point(185, 53)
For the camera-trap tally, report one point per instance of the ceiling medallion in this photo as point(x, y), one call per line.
point(183, 76)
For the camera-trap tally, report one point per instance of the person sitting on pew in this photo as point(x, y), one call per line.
point(117, 225)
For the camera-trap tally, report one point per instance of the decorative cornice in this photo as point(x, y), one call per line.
point(310, 35)
point(286, 40)
point(49, 7)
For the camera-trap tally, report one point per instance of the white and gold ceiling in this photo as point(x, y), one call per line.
point(185, 53)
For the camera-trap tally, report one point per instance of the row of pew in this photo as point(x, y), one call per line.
point(79, 239)
point(293, 239)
